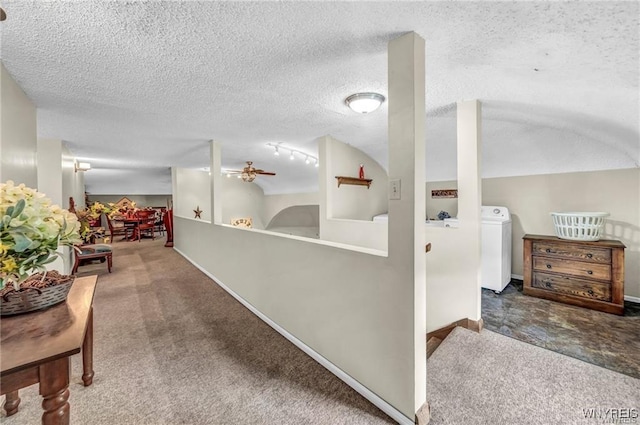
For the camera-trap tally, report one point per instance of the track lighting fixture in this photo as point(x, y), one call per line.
point(293, 152)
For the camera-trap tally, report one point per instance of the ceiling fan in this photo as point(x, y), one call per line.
point(249, 173)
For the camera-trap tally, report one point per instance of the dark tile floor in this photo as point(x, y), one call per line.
point(603, 339)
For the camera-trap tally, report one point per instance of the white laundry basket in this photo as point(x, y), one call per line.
point(579, 226)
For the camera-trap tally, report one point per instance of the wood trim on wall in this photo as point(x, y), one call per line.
point(423, 415)
point(442, 333)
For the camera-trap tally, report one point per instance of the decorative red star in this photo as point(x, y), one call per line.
point(197, 212)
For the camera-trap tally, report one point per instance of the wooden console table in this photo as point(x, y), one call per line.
point(36, 348)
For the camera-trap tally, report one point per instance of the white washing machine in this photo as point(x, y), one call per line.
point(496, 246)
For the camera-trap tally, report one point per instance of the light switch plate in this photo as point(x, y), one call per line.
point(394, 189)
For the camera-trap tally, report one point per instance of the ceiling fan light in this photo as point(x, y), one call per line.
point(277, 153)
point(291, 157)
point(248, 176)
point(364, 103)
point(307, 160)
point(317, 164)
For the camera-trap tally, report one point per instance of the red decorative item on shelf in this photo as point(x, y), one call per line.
point(361, 173)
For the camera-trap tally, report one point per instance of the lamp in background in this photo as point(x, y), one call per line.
point(82, 166)
point(364, 103)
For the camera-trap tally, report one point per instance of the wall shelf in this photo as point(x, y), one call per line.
point(353, 180)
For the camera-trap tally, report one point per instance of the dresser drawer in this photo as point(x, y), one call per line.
point(584, 273)
point(587, 253)
point(572, 286)
point(574, 268)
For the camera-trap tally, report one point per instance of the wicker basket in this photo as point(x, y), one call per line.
point(32, 299)
point(579, 226)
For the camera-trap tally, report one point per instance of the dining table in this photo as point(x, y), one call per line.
point(130, 223)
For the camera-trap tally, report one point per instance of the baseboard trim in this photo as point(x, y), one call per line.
point(442, 333)
point(394, 413)
point(632, 299)
point(423, 415)
point(517, 276)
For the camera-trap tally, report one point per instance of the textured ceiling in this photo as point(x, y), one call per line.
point(138, 86)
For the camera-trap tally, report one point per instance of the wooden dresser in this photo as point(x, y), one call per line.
point(587, 274)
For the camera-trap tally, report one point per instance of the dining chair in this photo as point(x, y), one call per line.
point(116, 229)
point(146, 223)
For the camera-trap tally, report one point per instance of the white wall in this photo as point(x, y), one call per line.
point(242, 200)
point(49, 171)
point(363, 313)
point(273, 204)
point(530, 199)
point(72, 181)
point(18, 133)
point(346, 212)
point(350, 201)
point(453, 265)
point(193, 189)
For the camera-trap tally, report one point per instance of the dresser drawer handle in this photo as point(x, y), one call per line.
point(589, 272)
point(589, 255)
point(590, 292)
point(548, 266)
point(547, 284)
point(548, 250)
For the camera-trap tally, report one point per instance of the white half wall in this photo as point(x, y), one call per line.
point(18, 133)
point(361, 311)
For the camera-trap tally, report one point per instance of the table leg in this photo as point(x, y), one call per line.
point(54, 389)
point(87, 352)
point(11, 403)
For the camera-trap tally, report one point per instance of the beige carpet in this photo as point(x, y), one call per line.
point(489, 378)
point(171, 347)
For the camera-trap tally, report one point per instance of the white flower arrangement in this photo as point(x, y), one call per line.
point(30, 232)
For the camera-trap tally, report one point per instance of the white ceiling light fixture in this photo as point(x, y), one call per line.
point(277, 153)
point(82, 166)
point(364, 103)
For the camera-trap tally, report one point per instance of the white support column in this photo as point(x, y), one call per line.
point(406, 63)
point(470, 190)
point(216, 181)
